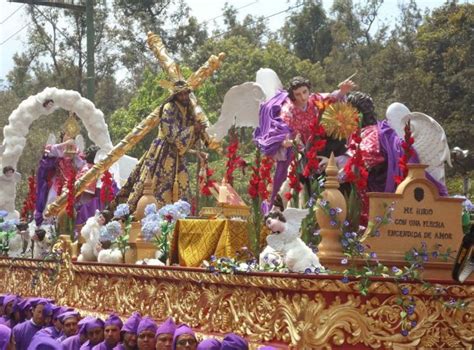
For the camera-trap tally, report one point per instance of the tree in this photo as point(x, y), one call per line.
point(308, 32)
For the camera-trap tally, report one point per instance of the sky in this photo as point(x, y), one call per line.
point(14, 22)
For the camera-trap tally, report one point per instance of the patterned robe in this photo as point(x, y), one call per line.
point(165, 160)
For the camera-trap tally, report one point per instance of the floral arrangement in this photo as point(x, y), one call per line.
point(28, 210)
point(408, 152)
point(234, 161)
point(158, 225)
point(206, 183)
point(340, 120)
point(258, 191)
point(120, 233)
point(106, 191)
point(7, 232)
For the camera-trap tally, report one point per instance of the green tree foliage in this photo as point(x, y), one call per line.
point(308, 32)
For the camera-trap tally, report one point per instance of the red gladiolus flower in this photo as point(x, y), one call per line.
point(106, 191)
point(408, 152)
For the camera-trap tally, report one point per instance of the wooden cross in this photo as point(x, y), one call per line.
point(150, 122)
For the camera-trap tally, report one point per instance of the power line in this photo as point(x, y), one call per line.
point(11, 14)
point(237, 9)
point(11, 36)
point(266, 17)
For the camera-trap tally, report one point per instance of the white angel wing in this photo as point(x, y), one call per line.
point(430, 143)
point(269, 81)
point(294, 217)
point(80, 143)
point(51, 139)
point(240, 108)
point(395, 112)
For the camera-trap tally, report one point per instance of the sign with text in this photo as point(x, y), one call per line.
point(420, 215)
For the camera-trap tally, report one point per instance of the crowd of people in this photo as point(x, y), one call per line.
point(39, 324)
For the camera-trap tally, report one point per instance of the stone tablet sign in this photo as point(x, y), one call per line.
point(420, 215)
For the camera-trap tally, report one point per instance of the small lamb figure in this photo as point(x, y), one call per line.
point(285, 241)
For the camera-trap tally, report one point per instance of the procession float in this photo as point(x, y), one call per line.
point(346, 237)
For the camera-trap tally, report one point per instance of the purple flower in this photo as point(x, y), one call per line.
point(348, 234)
point(307, 270)
point(344, 243)
point(378, 219)
point(434, 254)
point(338, 210)
point(344, 261)
point(333, 223)
point(373, 255)
point(410, 309)
point(404, 332)
point(332, 211)
point(395, 269)
point(346, 223)
point(213, 258)
point(317, 270)
point(405, 291)
point(360, 248)
point(413, 323)
point(345, 279)
point(323, 202)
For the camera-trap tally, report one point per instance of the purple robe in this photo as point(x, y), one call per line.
point(270, 134)
point(391, 147)
point(86, 346)
point(72, 343)
point(103, 346)
point(234, 342)
point(5, 335)
point(47, 164)
point(45, 343)
point(51, 332)
point(120, 346)
point(24, 333)
point(209, 344)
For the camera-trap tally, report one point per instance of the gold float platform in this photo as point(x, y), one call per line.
point(285, 310)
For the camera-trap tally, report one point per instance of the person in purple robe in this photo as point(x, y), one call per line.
point(129, 333)
point(25, 308)
point(285, 119)
point(54, 331)
point(55, 167)
point(69, 321)
point(74, 342)
point(233, 341)
point(11, 311)
point(209, 344)
point(146, 332)
point(382, 148)
point(7, 341)
point(25, 331)
point(164, 334)
point(45, 343)
point(95, 333)
point(184, 338)
point(112, 327)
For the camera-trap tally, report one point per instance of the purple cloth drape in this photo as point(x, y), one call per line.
point(391, 146)
point(46, 165)
point(270, 134)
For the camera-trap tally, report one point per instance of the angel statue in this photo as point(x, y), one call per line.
point(280, 117)
point(60, 162)
point(284, 242)
point(381, 144)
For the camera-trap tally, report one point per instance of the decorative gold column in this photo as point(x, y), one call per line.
point(139, 247)
point(330, 247)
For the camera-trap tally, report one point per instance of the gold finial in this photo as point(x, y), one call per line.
point(71, 127)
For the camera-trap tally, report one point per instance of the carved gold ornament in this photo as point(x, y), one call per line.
point(305, 311)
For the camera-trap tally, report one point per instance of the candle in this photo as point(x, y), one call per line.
point(223, 193)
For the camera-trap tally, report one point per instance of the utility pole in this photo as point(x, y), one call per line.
point(77, 5)
point(90, 49)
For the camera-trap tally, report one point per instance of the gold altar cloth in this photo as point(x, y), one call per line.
point(195, 240)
